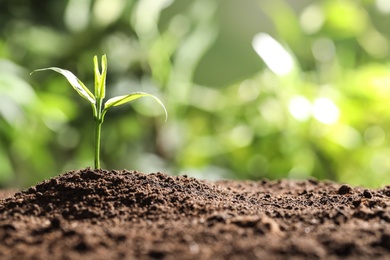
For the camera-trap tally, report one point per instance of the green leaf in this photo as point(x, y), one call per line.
point(75, 82)
point(120, 100)
point(97, 75)
point(100, 78)
point(103, 77)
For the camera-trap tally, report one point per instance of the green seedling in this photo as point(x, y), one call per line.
point(99, 111)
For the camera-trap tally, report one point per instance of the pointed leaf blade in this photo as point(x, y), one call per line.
point(102, 84)
point(120, 100)
point(97, 75)
point(77, 84)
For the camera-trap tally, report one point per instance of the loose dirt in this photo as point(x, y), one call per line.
point(98, 214)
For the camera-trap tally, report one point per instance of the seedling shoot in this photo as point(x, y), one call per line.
point(96, 99)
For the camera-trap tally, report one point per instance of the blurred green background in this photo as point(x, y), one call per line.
point(254, 88)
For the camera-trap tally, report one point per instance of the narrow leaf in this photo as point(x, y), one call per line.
point(103, 75)
point(74, 81)
point(120, 100)
point(97, 75)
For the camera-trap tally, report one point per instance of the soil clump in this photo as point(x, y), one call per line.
point(99, 214)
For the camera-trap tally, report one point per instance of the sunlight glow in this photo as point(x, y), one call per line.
point(300, 108)
point(240, 136)
point(383, 6)
point(77, 15)
point(146, 15)
point(273, 54)
point(312, 19)
point(107, 11)
point(325, 111)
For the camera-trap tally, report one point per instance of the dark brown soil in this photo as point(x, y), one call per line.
point(101, 214)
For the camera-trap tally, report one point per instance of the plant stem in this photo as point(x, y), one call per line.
point(98, 127)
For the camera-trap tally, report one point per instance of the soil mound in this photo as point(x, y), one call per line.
point(98, 214)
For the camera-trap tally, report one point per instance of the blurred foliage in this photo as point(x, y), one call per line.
point(254, 88)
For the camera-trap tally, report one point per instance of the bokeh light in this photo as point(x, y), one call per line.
point(254, 89)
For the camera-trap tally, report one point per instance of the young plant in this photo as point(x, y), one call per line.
point(96, 100)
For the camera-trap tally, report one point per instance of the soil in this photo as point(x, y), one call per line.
point(99, 214)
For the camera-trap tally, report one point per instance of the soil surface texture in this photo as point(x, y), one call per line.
point(99, 214)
